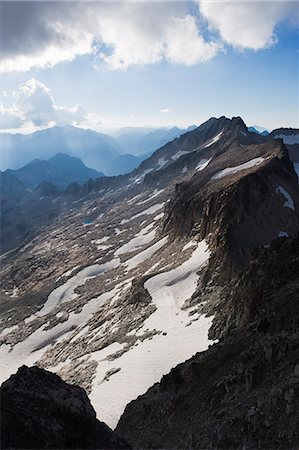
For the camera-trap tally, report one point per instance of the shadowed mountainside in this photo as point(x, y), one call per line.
point(40, 411)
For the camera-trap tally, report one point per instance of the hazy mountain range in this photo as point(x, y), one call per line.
point(109, 155)
point(60, 169)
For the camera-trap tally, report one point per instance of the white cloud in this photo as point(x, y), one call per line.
point(9, 119)
point(117, 34)
point(166, 110)
point(124, 34)
point(184, 44)
point(250, 24)
point(34, 106)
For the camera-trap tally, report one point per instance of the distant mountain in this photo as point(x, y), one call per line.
point(61, 170)
point(260, 130)
point(129, 140)
point(97, 150)
point(124, 164)
point(145, 141)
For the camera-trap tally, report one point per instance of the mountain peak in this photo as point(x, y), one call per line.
point(238, 122)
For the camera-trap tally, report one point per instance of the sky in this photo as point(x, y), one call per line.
point(108, 65)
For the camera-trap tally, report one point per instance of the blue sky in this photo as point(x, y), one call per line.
point(200, 68)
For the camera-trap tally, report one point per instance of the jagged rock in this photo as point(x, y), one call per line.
point(40, 411)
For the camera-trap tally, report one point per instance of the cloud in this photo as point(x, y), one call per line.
point(250, 24)
point(34, 105)
point(117, 34)
point(184, 44)
point(130, 33)
point(9, 119)
point(166, 110)
point(40, 34)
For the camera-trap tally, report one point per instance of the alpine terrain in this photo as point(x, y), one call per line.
point(169, 294)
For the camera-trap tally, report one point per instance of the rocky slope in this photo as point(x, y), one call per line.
point(121, 286)
point(40, 411)
point(244, 391)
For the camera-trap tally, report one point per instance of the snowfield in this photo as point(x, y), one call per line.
point(235, 169)
point(179, 337)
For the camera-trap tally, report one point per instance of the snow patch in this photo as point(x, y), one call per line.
point(161, 163)
point(203, 164)
point(147, 211)
point(135, 243)
point(154, 195)
point(215, 139)
point(289, 203)
point(178, 155)
point(159, 216)
point(67, 273)
point(189, 245)
point(235, 169)
point(101, 240)
point(66, 292)
point(140, 178)
point(8, 330)
point(145, 254)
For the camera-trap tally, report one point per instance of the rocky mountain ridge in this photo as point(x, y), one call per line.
point(122, 284)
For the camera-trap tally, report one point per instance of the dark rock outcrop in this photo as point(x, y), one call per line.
point(40, 411)
point(243, 392)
